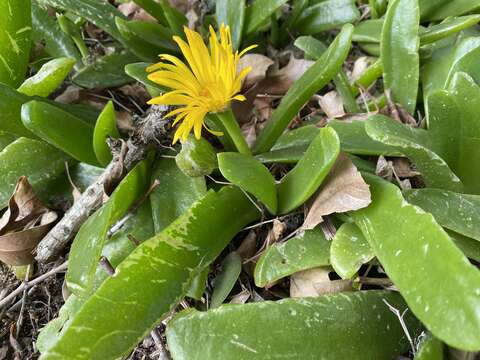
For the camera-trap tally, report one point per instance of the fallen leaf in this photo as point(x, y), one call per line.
point(241, 297)
point(397, 112)
point(403, 168)
point(259, 64)
point(135, 12)
point(23, 225)
point(384, 168)
point(137, 92)
point(332, 104)
point(344, 190)
point(359, 66)
point(70, 95)
point(280, 80)
point(316, 282)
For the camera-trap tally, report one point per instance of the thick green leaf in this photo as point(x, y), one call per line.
point(470, 247)
point(100, 13)
point(197, 157)
point(427, 251)
point(11, 102)
point(145, 39)
point(15, 40)
point(430, 349)
point(306, 251)
point(226, 279)
point(105, 127)
point(258, 12)
point(349, 251)
point(315, 78)
point(231, 13)
point(88, 244)
point(452, 8)
point(175, 19)
point(416, 145)
point(446, 61)
point(327, 15)
point(304, 179)
point(107, 71)
point(429, 6)
point(198, 284)
point(342, 326)
point(447, 28)
point(314, 49)
point(49, 333)
point(50, 76)
point(38, 161)
point(286, 156)
point(107, 329)
point(369, 31)
point(457, 212)
point(250, 175)
point(301, 137)
point(399, 52)
point(175, 194)
point(57, 43)
point(354, 139)
point(6, 139)
point(466, 94)
point(61, 129)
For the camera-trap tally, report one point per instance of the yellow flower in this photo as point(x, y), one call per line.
point(208, 84)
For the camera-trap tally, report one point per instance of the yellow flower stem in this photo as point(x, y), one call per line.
point(230, 124)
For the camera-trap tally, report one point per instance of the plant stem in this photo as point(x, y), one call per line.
point(232, 128)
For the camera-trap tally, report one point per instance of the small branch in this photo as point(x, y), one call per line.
point(402, 323)
point(150, 129)
point(28, 284)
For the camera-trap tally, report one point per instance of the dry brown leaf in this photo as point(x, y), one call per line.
point(241, 297)
point(249, 132)
point(128, 8)
point(279, 81)
point(259, 64)
point(70, 95)
point(344, 190)
point(384, 168)
point(316, 282)
point(403, 168)
point(397, 112)
point(136, 91)
point(23, 225)
point(332, 104)
point(359, 66)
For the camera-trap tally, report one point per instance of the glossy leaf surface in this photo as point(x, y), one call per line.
point(349, 250)
point(303, 252)
point(327, 15)
point(327, 327)
point(305, 178)
point(61, 129)
point(315, 78)
point(38, 161)
point(457, 212)
point(175, 194)
point(250, 175)
point(15, 40)
point(88, 244)
point(167, 262)
point(105, 127)
point(424, 245)
point(48, 78)
point(399, 52)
